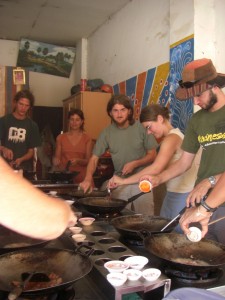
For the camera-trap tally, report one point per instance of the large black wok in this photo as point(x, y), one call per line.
point(130, 226)
point(78, 193)
point(64, 176)
point(176, 250)
point(105, 205)
point(11, 240)
point(67, 264)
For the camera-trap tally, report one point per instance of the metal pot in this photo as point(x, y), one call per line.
point(130, 226)
point(11, 240)
point(67, 264)
point(180, 253)
point(105, 205)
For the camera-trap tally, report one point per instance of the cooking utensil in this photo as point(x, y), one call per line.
point(103, 205)
point(174, 219)
point(11, 240)
point(69, 265)
point(17, 291)
point(217, 220)
point(26, 277)
point(130, 226)
point(68, 166)
point(109, 193)
point(180, 253)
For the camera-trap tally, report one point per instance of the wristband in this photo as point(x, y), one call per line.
point(205, 205)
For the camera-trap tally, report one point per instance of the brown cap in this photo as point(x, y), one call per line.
point(197, 77)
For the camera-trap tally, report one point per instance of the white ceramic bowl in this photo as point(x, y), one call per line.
point(116, 266)
point(52, 193)
point(78, 237)
point(86, 221)
point(75, 229)
point(136, 262)
point(116, 279)
point(195, 235)
point(70, 202)
point(133, 274)
point(151, 274)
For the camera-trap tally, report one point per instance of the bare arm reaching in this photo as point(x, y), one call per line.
point(29, 211)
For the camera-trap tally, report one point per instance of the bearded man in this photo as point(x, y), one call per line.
point(205, 130)
point(131, 149)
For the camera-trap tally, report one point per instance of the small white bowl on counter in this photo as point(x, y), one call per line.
point(151, 274)
point(116, 266)
point(136, 262)
point(52, 193)
point(75, 229)
point(116, 279)
point(78, 237)
point(70, 202)
point(86, 221)
point(133, 274)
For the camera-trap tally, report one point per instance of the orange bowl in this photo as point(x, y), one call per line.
point(145, 186)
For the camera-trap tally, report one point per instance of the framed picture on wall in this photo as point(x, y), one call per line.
point(19, 77)
point(46, 58)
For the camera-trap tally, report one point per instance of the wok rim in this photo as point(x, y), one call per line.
point(60, 286)
point(120, 202)
point(114, 220)
point(183, 265)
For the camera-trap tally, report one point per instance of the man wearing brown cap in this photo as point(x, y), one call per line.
point(206, 130)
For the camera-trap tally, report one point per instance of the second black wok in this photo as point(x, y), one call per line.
point(105, 205)
point(130, 226)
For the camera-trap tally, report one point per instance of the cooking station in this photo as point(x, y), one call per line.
point(108, 244)
point(102, 230)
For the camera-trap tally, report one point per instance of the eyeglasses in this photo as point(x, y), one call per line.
point(187, 84)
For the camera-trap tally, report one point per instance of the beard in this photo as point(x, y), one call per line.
point(212, 100)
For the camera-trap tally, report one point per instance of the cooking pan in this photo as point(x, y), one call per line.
point(68, 265)
point(11, 240)
point(78, 193)
point(105, 205)
point(176, 250)
point(64, 176)
point(130, 226)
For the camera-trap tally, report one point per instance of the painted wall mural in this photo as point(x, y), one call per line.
point(158, 85)
point(180, 55)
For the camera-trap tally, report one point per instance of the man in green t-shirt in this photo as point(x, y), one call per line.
point(205, 130)
point(131, 149)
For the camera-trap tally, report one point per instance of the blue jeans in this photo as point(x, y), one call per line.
point(173, 203)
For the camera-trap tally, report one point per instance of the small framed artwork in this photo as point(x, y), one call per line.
point(19, 76)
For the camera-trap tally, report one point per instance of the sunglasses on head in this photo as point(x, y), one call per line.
point(187, 84)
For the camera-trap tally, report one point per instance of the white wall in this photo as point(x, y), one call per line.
point(181, 19)
point(49, 90)
point(132, 41)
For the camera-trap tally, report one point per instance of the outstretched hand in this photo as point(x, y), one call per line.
point(114, 182)
point(199, 191)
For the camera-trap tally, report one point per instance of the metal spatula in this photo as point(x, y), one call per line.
point(174, 219)
point(27, 277)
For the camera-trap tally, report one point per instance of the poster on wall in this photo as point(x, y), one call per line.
point(46, 58)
